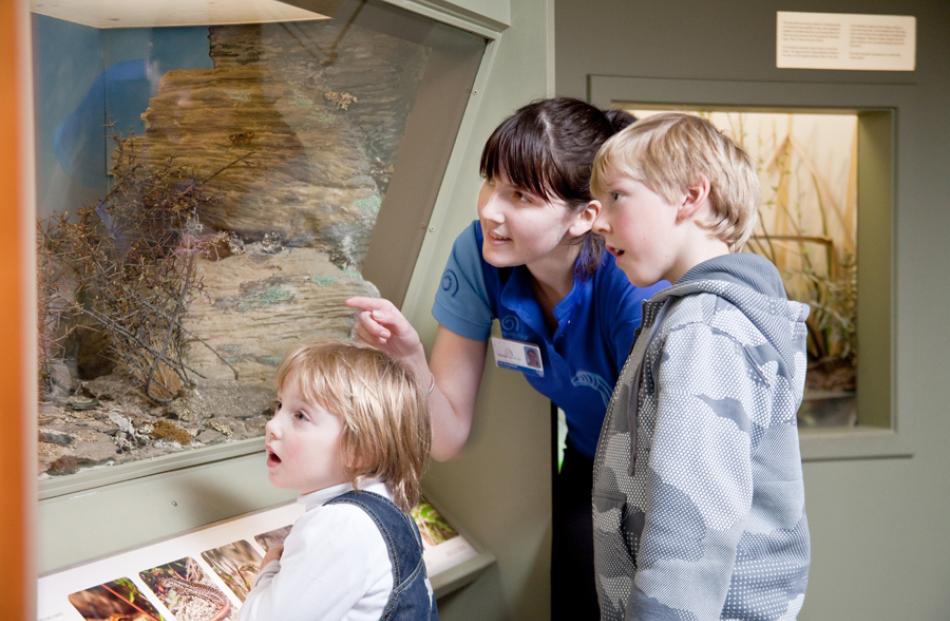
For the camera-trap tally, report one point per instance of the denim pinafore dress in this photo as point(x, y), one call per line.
point(409, 600)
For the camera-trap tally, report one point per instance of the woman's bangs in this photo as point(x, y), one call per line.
point(520, 156)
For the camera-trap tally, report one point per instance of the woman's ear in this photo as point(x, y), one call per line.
point(584, 219)
point(695, 198)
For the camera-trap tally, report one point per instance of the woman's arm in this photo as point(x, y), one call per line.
point(457, 364)
point(453, 373)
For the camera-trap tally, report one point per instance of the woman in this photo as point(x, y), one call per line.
point(532, 262)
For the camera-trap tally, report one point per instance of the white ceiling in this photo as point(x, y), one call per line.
point(157, 13)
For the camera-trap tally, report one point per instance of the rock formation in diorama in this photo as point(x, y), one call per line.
point(279, 156)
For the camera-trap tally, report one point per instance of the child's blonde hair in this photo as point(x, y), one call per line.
point(669, 152)
point(386, 431)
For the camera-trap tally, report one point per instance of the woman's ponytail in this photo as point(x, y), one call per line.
point(619, 118)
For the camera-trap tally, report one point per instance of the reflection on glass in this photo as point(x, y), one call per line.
point(207, 196)
point(808, 221)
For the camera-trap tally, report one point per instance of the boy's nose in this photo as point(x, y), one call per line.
point(601, 227)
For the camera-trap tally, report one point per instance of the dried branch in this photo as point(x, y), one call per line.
point(128, 266)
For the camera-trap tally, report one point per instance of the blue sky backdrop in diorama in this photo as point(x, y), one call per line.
point(91, 83)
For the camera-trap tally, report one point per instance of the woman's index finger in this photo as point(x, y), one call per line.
point(365, 303)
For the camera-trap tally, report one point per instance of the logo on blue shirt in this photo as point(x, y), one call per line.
point(450, 283)
point(511, 326)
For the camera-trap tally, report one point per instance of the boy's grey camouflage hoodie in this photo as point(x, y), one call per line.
point(700, 513)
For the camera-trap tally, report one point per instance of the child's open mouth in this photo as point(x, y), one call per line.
point(272, 458)
point(617, 252)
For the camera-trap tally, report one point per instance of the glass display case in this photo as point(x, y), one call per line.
point(226, 173)
point(212, 182)
point(807, 164)
point(826, 161)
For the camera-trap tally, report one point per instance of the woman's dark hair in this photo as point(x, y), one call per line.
point(547, 147)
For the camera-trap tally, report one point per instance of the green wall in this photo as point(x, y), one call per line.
point(880, 548)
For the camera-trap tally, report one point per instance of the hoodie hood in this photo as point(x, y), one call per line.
point(744, 268)
point(753, 285)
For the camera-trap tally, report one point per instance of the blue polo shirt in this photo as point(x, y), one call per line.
point(582, 357)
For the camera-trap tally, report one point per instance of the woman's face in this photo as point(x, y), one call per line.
point(521, 228)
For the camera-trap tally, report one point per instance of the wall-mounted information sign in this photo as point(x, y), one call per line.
point(845, 41)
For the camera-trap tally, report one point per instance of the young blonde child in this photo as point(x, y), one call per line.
point(698, 500)
point(351, 435)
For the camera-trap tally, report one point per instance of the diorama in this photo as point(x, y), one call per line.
point(808, 219)
point(206, 575)
point(207, 197)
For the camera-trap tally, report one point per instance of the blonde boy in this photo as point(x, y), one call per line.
point(351, 435)
point(698, 497)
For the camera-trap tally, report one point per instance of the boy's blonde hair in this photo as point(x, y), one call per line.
point(669, 152)
point(386, 431)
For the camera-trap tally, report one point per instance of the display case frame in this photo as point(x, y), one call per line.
point(881, 430)
point(400, 227)
point(177, 493)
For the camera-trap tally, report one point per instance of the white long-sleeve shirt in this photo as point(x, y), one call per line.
point(335, 565)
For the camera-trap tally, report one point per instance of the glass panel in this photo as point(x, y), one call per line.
point(208, 196)
point(808, 223)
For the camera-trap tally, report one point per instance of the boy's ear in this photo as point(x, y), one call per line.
point(584, 219)
point(695, 198)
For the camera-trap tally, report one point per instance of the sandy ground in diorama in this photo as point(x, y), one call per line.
point(109, 424)
point(279, 300)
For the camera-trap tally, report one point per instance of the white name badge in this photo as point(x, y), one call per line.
point(517, 355)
